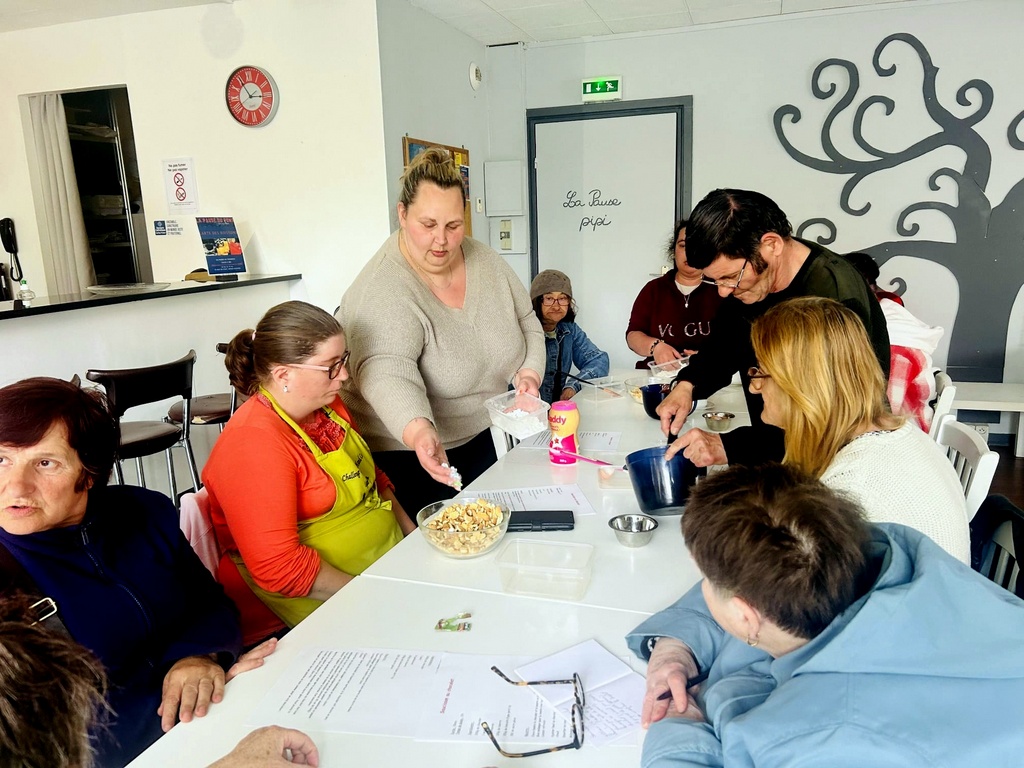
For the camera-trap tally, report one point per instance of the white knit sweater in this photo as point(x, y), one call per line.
point(903, 477)
point(414, 356)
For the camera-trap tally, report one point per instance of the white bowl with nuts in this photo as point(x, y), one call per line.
point(463, 528)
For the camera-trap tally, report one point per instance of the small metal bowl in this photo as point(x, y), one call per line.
point(633, 530)
point(718, 421)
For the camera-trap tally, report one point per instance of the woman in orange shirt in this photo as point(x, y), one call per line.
point(297, 504)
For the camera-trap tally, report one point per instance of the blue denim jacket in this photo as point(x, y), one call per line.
point(576, 349)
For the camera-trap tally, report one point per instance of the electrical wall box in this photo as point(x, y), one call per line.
point(503, 187)
point(508, 234)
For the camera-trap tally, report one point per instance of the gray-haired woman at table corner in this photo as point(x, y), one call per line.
point(565, 340)
point(437, 323)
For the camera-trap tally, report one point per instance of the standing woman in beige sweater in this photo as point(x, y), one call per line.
point(437, 323)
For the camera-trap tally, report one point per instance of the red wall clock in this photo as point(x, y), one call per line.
point(252, 96)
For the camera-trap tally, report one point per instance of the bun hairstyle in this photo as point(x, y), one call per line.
point(433, 165)
point(288, 333)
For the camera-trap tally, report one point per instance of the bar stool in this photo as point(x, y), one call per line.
point(208, 409)
point(129, 387)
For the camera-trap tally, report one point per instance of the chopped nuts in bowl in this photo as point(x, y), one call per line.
point(463, 528)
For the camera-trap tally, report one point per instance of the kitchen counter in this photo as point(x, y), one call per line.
point(44, 305)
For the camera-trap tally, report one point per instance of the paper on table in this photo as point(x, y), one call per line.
point(568, 496)
point(586, 441)
point(347, 691)
point(467, 692)
point(614, 692)
point(434, 696)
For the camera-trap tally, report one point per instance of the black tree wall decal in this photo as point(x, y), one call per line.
point(987, 257)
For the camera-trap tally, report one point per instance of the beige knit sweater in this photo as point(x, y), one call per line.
point(414, 356)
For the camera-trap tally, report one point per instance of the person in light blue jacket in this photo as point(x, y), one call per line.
point(567, 344)
point(827, 641)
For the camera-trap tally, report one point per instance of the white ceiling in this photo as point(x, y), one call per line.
point(491, 22)
point(26, 14)
point(494, 22)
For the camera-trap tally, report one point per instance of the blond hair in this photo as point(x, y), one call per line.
point(818, 354)
point(434, 165)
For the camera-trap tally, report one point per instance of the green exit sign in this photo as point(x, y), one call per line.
point(602, 89)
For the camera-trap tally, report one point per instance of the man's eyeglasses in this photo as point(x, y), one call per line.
point(727, 283)
point(577, 715)
point(332, 370)
point(756, 373)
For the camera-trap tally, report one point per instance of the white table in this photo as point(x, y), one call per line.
point(644, 579)
point(396, 603)
point(383, 613)
point(993, 396)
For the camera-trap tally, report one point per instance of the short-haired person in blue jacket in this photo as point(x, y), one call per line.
point(567, 344)
point(827, 641)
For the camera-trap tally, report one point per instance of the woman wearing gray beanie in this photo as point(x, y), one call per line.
point(567, 344)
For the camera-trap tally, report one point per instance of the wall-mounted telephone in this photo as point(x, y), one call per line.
point(10, 243)
point(11, 246)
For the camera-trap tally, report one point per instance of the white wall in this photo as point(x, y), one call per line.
point(424, 66)
point(308, 192)
point(141, 333)
point(739, 74)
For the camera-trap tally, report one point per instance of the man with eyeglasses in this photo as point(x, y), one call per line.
point(744, 244)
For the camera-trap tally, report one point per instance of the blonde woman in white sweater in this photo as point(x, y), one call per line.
point(437, 323)
point(822, 384)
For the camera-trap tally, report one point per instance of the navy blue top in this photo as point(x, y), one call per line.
point(130, 589)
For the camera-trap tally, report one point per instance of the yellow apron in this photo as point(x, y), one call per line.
point(357, 530)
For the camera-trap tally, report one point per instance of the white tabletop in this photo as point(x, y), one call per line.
point(382, 613)
point(644, 579)
point(396, 603)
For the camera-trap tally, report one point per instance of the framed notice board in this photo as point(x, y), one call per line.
point(412, 147)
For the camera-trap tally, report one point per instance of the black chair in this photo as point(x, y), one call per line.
point(997, 541)
point(130, 387)
point(208, 409)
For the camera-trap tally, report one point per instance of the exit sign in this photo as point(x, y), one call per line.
point(602, 89)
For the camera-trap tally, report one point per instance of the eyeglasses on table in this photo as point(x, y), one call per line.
point(577, 715)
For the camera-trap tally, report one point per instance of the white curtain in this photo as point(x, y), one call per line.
point(65, 237)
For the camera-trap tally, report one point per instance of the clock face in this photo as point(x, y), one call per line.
point(252, 96)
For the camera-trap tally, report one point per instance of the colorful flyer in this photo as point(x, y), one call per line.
point(221, 244)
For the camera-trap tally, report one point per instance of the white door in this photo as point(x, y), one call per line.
point(606, 195)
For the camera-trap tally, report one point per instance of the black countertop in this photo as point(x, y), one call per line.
point(47, 304)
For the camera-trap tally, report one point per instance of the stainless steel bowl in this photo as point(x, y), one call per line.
point(633, 530)
point(718, 421)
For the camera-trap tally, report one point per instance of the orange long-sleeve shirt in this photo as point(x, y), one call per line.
point(262, 479)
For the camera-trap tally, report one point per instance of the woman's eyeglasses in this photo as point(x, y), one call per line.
point(562, 301)
point(757, 373)
point(332, 370)
point(577, 715)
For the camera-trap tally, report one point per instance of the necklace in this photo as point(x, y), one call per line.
point(404, 248)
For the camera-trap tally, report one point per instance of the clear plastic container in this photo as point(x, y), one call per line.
point(602, 389)
point(519, 415)
point(546, 568)
point(632, 386)
point(666, 372)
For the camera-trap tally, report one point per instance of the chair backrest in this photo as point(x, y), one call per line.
point(945, 393)
point(975, 463)
point(129, 387)
point(197, 525)
point(997, 535)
